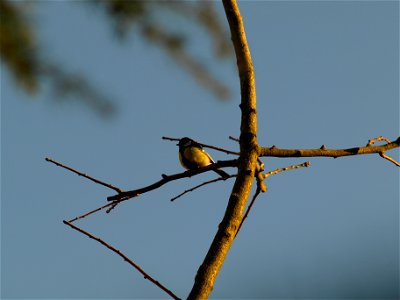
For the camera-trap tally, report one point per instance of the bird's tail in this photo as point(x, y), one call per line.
point(221, 173)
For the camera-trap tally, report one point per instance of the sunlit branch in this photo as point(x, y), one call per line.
point(379, 138)
point(383, 155)
point(323, 151)
point(305, 164)
point(260, 187)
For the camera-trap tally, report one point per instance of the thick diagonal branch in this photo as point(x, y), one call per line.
point(208, 271)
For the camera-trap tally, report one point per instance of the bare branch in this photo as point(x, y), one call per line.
point(90, 212)
point(202, 184)
point(233, 139)
point(260, 188)
point(118, 190)
point(379, 138)
point(258, 191)
point(305, 164)
point(277, 152)
point(382, 154)
point(126, 258)
point(167, 178)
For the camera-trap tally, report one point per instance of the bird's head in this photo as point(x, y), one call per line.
point(184, 142)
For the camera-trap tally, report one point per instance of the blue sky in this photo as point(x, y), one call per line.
point(326, 73)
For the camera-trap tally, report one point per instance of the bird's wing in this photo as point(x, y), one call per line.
point(197, 156)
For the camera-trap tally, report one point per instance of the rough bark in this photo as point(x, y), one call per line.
point(249, 149)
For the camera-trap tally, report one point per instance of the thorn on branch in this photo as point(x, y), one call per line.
point(234, 139)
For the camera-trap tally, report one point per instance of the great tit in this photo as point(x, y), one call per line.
point(192, 156)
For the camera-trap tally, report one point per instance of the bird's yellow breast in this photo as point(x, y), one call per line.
point(197, 156)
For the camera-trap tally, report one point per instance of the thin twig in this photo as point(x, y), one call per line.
point(233, 139)
point(200, 185)
point(379, 138)
point(259, 188)
point(170, 139)
point(126, 258)
point(382, 154)
point(205, 146)
point(110, 186)
point(90, 212)
point(305, 164)
point(258, 191)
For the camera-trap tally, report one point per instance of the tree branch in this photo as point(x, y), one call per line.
point(200, 185)
point(260, 187)
point(208, 271)
point(369, 149)
point(205, 146)
point(167, 178)
point(118, 190)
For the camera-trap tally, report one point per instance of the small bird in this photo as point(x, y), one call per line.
point(192, 156)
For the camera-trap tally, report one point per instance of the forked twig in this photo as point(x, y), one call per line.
point(259, 188)
point(126, 258)
point(110, 186)
point(379, 138)
point(200, 185)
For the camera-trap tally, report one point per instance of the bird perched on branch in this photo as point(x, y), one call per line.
point(192, 156)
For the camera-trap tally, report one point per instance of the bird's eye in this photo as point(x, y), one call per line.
point(187, 144)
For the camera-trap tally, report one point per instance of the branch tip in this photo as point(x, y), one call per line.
point(383, 155)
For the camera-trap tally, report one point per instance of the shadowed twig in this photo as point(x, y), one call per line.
point(205, 146)
point(126, 258)
point(202, 184)
point(90, 212)
point(110, 186)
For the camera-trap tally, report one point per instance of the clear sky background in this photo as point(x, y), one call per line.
point(326, 72)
